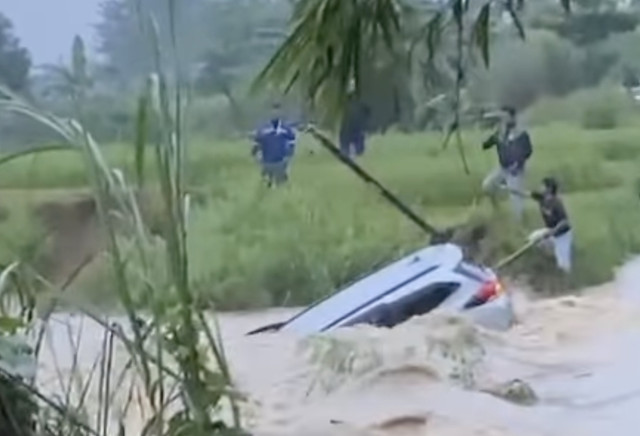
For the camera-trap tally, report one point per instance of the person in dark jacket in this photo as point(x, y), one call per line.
point(514, 149)
point(275, 143)
point(557, 228)
point(353, 129)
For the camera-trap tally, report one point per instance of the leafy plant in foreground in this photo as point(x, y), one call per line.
point(169, 351)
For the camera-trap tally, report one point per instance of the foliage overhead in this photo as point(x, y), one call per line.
point(332, 43)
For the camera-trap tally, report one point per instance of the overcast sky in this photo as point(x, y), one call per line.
point(47, 27)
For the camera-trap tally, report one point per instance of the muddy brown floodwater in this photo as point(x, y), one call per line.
point(435, 375)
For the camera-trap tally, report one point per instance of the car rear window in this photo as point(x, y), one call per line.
point(417, 303)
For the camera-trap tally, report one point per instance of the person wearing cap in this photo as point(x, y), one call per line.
point(275, 143)
point(514, 149)
point(557, 228)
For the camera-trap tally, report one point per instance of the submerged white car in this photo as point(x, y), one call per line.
point(435, 277)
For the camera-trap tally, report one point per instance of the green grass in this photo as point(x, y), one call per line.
point(252, 247)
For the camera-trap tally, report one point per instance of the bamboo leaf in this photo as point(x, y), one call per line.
point(450, 131)
point(515, 18)
point(357, 29)
point(14, 103)
point(387, 20)
point(41, 149)
point(142, 120)
point(457, 8)
point(481, 32)
point(344, 31)
point(4, 276)
point(459, 146)
point(433, 34)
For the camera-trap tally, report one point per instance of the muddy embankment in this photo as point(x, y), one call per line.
point(73, 234)
point(74, 237)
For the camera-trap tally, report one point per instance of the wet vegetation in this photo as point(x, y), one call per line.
point(142, 156)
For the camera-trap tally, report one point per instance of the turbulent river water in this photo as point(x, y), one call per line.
point(435, 375)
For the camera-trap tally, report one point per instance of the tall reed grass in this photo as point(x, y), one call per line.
point(174, 359)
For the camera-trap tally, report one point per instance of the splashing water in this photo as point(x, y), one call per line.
point(567, 367)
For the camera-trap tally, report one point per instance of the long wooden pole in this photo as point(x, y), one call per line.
point(329, 145)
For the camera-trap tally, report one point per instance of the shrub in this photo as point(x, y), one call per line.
point(17, 409)
point(601, 108)
point(618, 150)
point(607, 107)
point(522, 72)
point(601, 115)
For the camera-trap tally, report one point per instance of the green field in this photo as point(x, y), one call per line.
point(252, 247)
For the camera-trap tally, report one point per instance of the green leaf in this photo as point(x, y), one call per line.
point(4, 281)
point(4, 276)
point(142, 126)
point(433, 34)
point(41, 149)
point(181, 425)
point(481, 32)
point(515, 18)
point(566, 5)
point(345, 31)
point(457, 8)
point(13, 103)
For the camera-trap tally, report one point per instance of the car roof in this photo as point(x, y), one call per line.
point(383, 282)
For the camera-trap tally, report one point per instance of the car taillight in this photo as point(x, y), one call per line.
point(489, 291)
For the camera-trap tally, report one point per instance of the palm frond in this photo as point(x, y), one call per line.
point(330, 44)
point(333, 42)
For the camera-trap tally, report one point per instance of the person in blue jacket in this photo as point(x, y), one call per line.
point(275, 145)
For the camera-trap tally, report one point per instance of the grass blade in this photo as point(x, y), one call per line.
point(516, 19)
point(23, 153)
point(481, 32)
point(142, 128)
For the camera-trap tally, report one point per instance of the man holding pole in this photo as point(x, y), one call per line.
point(557, 231)
point(557, 227)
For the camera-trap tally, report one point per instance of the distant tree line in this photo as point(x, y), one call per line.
point(223, 44)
